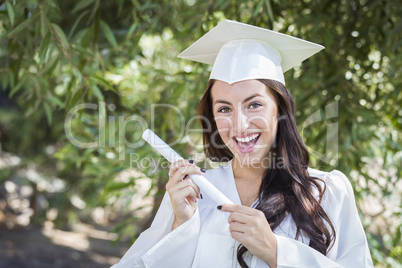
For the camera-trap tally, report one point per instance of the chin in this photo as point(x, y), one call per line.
point(249, 159)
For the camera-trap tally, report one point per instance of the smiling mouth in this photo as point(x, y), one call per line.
point(247, 144)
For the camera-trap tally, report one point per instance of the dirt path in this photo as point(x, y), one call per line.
point(41, 248)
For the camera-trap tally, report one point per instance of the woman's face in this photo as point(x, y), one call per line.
point(246, 116)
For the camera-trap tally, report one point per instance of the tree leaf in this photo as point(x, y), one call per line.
point(104, 83)
point(44, 47)
point(48, 111)
point(50, 65)
point(113, 186)
point(17, 87)
point(133, 27)
point(258, 8)
point(77, 21)
point(270, 13)
point(22, 25)
point(56, 101)
point(97, 92)
point(81, 5)
point(82, 50)
point(5, 80)
point(61, 37)
point(10, 11)
point(11, 78)
point(108, 33)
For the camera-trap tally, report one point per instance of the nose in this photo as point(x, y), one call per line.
point(241, 122)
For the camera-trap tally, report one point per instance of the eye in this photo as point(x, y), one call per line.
point(224, 110)
point(254, 105)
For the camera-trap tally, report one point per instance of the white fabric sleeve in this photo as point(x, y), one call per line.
point(350, 248)
point(158, 246)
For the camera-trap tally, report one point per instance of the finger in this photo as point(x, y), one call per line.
point(173, 170)
point(239, 208)
point(239, 217)
point(182, 172)
point(195, 186)
point(239, 236)
point(180, 175)
point(237, 227)
point(180, 163)
point(187, 183)
point(184, 193)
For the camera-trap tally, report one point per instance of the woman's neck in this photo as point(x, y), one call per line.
point(245, 170)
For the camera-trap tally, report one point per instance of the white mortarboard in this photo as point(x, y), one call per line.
point(240, 52)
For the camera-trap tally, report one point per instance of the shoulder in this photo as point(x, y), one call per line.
point(337, 185)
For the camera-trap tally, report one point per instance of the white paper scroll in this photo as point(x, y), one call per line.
point(167, 152)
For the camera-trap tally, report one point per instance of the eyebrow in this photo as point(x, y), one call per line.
point(245, 100)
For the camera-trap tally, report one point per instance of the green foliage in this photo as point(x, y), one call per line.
point(121, 57)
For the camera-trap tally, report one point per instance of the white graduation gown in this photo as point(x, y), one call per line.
point(204, 241)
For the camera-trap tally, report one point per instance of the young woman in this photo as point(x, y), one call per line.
point(285, 214)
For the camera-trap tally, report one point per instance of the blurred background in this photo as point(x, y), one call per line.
point(74, 191)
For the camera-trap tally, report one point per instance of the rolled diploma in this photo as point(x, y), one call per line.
point(167, 152)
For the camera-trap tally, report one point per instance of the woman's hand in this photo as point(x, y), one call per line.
point(183, 191)
point(250, 227)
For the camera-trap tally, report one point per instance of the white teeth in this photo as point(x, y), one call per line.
point(247, 139)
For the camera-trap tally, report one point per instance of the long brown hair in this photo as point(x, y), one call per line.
point(286, 190)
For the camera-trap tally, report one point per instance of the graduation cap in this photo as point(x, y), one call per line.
point(240, 52)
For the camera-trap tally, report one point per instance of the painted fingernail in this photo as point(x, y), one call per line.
point(191, 161)
point(219, 207)
point(201, 196)
point(203, 170)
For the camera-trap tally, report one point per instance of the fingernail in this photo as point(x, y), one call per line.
point(203, 170)
point(219, 207)
point(201, 196)
point(191, 161)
